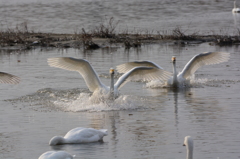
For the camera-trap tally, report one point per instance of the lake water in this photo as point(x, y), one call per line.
point(137, 16)
point(142, 123)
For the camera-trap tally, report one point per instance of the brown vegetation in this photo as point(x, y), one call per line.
point(22, 38)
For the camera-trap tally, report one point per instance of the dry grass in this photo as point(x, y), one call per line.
point(106, 31)
point(178, 34)
point(12, 36)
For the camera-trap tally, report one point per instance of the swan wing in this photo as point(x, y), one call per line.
point(89, 133)
point(8, 78)
point(142, 73)
point(207, 58)
point(123, 68)
point(80, 65)
point(79, 135)
point(73, 132)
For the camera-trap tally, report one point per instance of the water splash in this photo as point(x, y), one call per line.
point(86, 102)
point(75, 100)
point(193, 83)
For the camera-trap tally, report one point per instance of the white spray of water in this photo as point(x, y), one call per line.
point(192, 83)
point(88, 102)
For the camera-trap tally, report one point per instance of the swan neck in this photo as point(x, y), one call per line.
point(189, 152)
point(175, 81)
point(112, 86)
point(234, 4)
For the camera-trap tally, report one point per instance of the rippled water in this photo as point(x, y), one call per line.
point(142, 123)
point(60, 16)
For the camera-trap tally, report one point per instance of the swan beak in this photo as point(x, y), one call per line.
point(111, 71)
point(173, 59)
point(184, 145)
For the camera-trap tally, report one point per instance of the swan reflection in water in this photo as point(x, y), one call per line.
point(56, 155)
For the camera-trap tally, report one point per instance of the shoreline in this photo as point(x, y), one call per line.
point(28, 41)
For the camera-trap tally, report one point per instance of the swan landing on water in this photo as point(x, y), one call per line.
point(56, 155)
point(188, 142)
point(8, 78)
point(79, 135)
point(93, 81)
point(235, 9)
point(183, 78)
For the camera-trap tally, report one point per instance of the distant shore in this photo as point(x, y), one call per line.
point(105, 35)
point(26, 41)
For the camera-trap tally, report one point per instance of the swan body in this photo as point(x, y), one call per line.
point(79, 135)
point(93, 81)
point(56, 155)
point(188, 142)
point(8, 78)
point(235, 9)
point(182, 78)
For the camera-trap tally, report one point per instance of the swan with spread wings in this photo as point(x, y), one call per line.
point(182, 78)
point(93, 81)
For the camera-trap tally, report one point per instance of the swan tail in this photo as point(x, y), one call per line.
point(105, 131)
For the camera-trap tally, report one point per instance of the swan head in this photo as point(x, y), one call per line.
point(173, 59)
point(188, 141)
point(56, 140)
point(111, 71)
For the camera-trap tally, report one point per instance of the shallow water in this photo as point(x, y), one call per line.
point(138, 16)
point(142, 123)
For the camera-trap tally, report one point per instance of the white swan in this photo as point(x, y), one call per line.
point(93, 81)
point(56, 155)
point(188, 142)
point(79, 135)
point(8, 78)
point(235, 9)
point(182, 78)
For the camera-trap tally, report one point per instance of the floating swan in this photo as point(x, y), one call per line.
point(182, 78)
point(8, 78)
point(235, 9)
point(93, 81)
point(79, 135)
point(56, 155)
point(188, 142)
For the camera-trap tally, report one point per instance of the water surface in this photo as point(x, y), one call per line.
point(142, 123)
point(137, 16)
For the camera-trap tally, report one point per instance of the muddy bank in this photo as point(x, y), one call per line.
point(27, 41)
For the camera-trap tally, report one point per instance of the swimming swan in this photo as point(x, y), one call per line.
point(8, 78)
point(93, 81)
point(56, 155)
point(180, 79)
point(188, 142)
point(79, 135)
point(235, 9)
